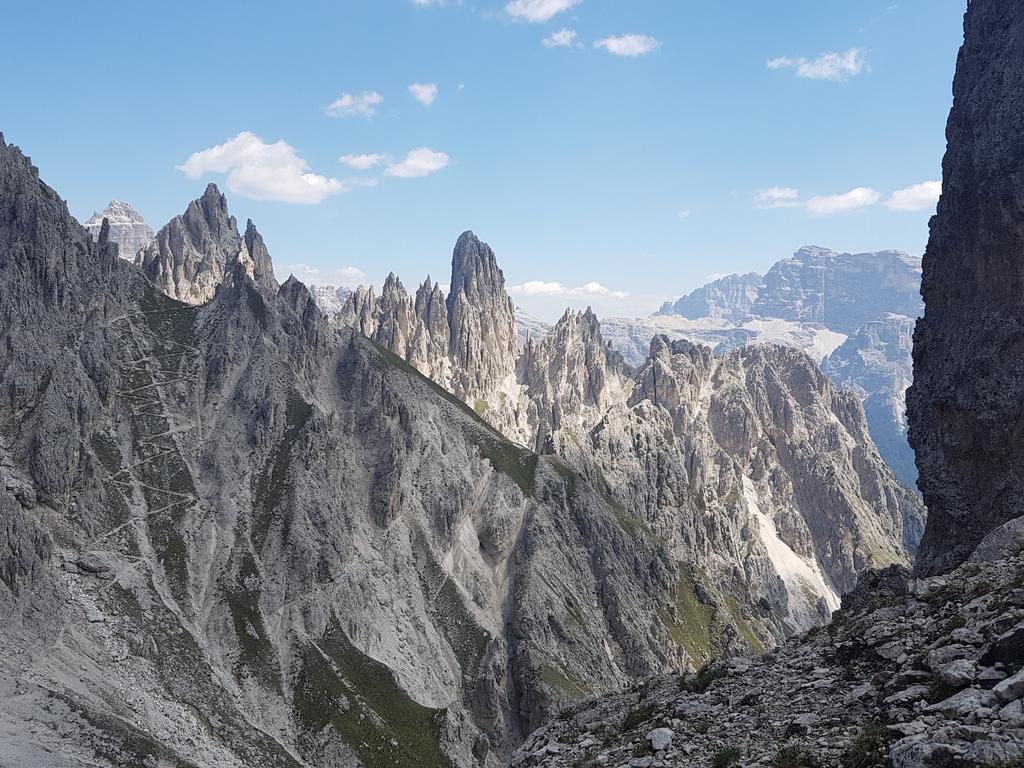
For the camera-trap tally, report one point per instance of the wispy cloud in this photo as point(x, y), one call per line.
point(628, 45)
point(349, 276)
point(425, 3)
point(563, 38)
point(361, 162)
point(262, 171)
point(828, 66)
point(684, 214)
point(424, 93)
point(917, 197)
point(363, 104)
point(777, 197)
point(417, 163)
point(546, 288)
point(538, 11)
point(854, 200)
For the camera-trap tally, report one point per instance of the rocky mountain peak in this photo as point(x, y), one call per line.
point(190, 255)
point(127, 228)
point(481, 319)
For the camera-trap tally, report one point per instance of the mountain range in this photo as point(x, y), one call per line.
point(243, 523)
point(243, 532)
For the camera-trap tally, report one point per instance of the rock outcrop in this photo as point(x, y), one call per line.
point(698, 455)
point(127, 228)
point(966, 424)
point(843, 309)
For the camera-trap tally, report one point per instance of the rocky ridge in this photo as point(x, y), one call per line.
point(127, 228)
point(852, 312)
point(726, 461)
point(875, 364)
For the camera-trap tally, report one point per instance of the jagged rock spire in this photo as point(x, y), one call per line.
point(194, 252)
point(481, 318)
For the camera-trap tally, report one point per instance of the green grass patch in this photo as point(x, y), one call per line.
point(481, 406)
point(556, 678)
point(257, 657)
point(742, 626)
point(690, 622)
point(869, 748)
point(378, 715)
point(726, 757)
point(638, 716)
point(702, 679)
point(794, 757)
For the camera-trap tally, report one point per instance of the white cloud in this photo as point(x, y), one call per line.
point(538, 11)
point(425, 3)
point(917, 197)
point(628, 45)
point(424, 93)
point(855, 199)
point(684, 214)
point(262, 171)
point(828, 66)
point(418, 162)
point(538, 288)
point(777, 197)
point(596, 289)
point(363, 104)
point(545, 288)
point(563, 38)
point(362, 162)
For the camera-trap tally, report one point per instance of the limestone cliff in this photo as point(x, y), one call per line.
point(966, 423)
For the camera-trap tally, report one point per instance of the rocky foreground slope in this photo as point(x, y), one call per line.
point(909, 674)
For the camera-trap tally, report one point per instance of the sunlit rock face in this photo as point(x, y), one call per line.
point(127, 228)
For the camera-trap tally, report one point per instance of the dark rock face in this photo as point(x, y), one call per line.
point(966, 422)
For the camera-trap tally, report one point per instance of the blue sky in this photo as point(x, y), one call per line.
point(663, 141)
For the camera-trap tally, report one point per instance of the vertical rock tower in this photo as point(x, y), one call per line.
point(965, 407)
point(481, 318)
